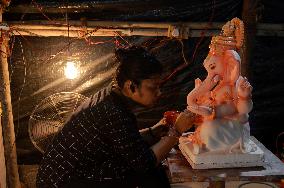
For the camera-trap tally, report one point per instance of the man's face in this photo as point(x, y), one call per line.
point(148, 92)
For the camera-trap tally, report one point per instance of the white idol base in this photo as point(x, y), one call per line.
point(207, 160)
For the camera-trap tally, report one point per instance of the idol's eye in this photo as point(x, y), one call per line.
point(212, 67)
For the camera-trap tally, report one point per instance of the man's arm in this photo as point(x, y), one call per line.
point(148, 136)
point(183, 122)
point(153, 134)
point(130, 145)
point(163, 147)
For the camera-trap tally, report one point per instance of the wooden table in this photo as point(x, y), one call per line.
point(180, 171)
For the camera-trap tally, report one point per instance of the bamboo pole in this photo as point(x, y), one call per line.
point(120, 24)
point(13, 180)
point(2, 156)
point(87, 33)
point(101, 28)
point(79, 32)
point(114, 24)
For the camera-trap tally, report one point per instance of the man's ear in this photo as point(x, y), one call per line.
point(130, 86)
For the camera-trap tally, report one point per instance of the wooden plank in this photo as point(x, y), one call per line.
point(181, 171)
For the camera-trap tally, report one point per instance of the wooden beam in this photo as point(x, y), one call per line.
point(89, 7)
point(7, 119)
point(249, 19)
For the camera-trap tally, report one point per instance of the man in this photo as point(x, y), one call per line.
point(101, 146)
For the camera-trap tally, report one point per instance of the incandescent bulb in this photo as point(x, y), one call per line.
point(71, 70)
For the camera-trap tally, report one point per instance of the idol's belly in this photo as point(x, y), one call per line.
point(220, 134)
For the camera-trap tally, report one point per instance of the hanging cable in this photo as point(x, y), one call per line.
point(40, 9)
point(182, 52)
point(123, 38)
point(23, 85)
point(184, 65)
point(67, 22)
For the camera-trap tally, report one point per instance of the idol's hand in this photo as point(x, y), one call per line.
point(244, 88)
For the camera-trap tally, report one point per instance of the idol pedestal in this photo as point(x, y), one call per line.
point(221, 159)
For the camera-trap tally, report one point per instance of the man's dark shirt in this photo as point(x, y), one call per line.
point(99, 143)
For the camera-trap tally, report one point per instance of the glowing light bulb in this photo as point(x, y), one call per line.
point(71, 70)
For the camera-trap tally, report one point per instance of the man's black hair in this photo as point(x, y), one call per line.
point(135, 64)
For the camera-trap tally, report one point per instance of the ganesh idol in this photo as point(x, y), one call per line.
point(223, 99)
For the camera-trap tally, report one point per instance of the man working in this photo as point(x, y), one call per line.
point(101, 146)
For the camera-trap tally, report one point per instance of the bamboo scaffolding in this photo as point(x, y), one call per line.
point(101, 28)
point(113, 24)
point(106, 32)
point(119, 24)
point(2, 156)
point(13, 179)
point(89, 32)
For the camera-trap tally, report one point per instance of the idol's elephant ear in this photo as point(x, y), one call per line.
point(232, 62)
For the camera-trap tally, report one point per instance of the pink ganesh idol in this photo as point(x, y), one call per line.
point(223, 99)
